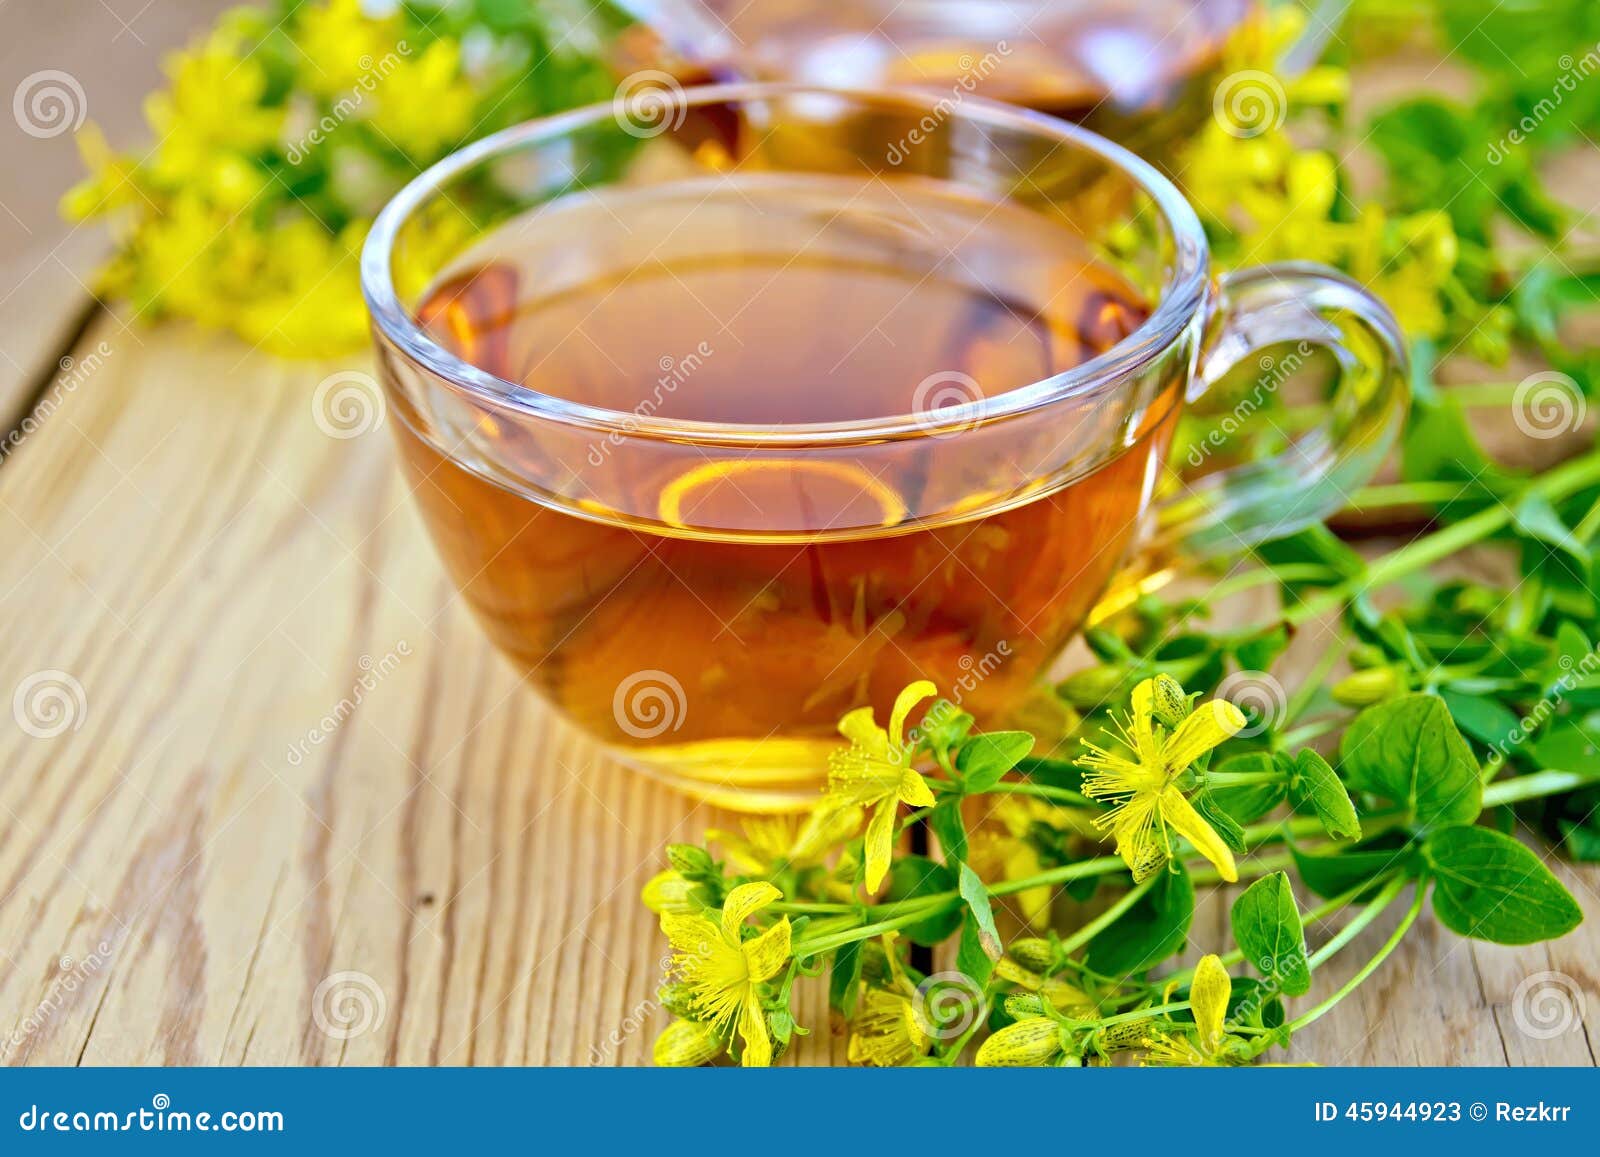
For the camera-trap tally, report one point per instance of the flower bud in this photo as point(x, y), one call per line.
point(686, 1044)
point(1022, 1007)
point(1093, 687)
point(1033, 953)
point(690, 861)
point(669, 892)
point(1035, 1041)
point(1168, 704)
point(1366, 687)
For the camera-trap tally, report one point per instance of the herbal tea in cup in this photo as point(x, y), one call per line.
point(724, 429)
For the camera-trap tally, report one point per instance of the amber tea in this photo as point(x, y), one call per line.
point(721, 634)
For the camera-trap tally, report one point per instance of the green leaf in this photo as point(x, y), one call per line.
point(1317, 786)
point(1224, 824)
point(947, 825)
point(913, 876)
point(1408, 750)
point(1248, 802)
point(1486, 720)
point(1569, 745)
point(1491, 887)
point(844, 980)
point(977, 898)
point(1330, 876)
point(985, 758)
point(1266, 925)
point(971, 955)
point(1150, 931)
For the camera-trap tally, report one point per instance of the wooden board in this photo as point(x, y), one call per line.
point(182, 869)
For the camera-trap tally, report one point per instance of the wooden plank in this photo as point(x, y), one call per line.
point(214, 575)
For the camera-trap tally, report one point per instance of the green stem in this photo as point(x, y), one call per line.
point(1369, 967)
point(1368, 914)
point(1564, 480)
point(1107, 918)
point(1540, 783)
point(1241, 778)
point(1248, 869)
point(1042, 791)
point(1406, 494)
point(1101, 866)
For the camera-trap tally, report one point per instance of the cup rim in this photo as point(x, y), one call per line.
point(1183, 292)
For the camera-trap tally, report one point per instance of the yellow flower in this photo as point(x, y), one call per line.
point(669, 892)
point(1148, 800)
point(722, 970)
point(888, 1032)
point(686, 1044)
point(425, 105)
point(875, 771)
point(770, 842)
point(211, 110)
point(1208, 1001)
point(1032, 1041)
point(340, 44)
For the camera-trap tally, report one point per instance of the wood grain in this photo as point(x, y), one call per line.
point(177, 878)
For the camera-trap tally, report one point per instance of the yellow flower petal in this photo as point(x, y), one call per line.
point(1033, 1041)
point(742, 903)
point(1208, 1000)
point(880, 844)
point(757, 1052)
point(692, 935)
point(1208, 725)
point(1180, 814)
point(861, 729)
point(914, 790)
point(903, 704)
point(686, 1044)
point(766, 955)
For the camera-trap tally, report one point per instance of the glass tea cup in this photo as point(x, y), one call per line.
point(1142, 72)
point(734, 417)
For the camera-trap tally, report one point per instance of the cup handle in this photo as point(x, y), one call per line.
point(1309, 306)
